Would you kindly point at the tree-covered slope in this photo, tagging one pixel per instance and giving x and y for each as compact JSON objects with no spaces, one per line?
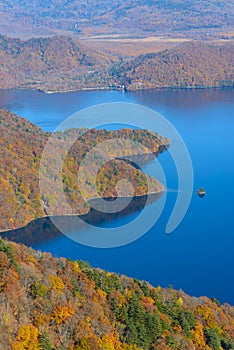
{"x":48,"y":303}
{"x":191,"y":64}
{"x":21,"y":147}
{"x":61,"y":64}
{"x":57,"y":63}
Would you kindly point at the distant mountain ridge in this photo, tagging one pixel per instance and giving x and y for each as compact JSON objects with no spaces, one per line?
{"x":124,"y":16}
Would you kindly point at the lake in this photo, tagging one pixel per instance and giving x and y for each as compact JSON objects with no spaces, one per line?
{"x":198,"y":257}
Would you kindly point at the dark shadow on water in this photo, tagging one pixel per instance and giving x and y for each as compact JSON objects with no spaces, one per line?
{"x":43,"y":230}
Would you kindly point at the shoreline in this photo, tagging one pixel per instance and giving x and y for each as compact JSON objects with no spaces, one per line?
{"x":120,"y":89}
{"x":88,"y":212}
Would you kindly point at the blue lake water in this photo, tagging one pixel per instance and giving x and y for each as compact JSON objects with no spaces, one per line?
{"x":198,"y":256}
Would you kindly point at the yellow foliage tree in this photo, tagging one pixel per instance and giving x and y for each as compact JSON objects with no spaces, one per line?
{"x":207,"y":314}
{"x":131,"y":347}
{"x":101,"y":294}
{"x":76,"y":267}
{"x":61,"y":313}
{"x":27,"y":338}
{"x":180,"y":301}
{"x":107,"y":343}
{"x":56,"y":283}
{"x":198,"y":336}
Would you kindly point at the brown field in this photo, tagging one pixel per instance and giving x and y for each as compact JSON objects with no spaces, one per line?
{"x":130,"y":47}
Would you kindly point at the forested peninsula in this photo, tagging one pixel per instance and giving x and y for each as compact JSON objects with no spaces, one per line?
{"x":21,"y":147}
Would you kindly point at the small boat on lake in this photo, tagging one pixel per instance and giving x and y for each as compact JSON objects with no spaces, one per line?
{"x":201,"y":192}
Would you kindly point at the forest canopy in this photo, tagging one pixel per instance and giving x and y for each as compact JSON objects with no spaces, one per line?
{"x":49,"y":303}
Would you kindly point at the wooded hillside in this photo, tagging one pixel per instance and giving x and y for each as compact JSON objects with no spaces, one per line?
{"x":62,"y":64}
{"x":48,"y":303}
{"x":191,"y":64}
